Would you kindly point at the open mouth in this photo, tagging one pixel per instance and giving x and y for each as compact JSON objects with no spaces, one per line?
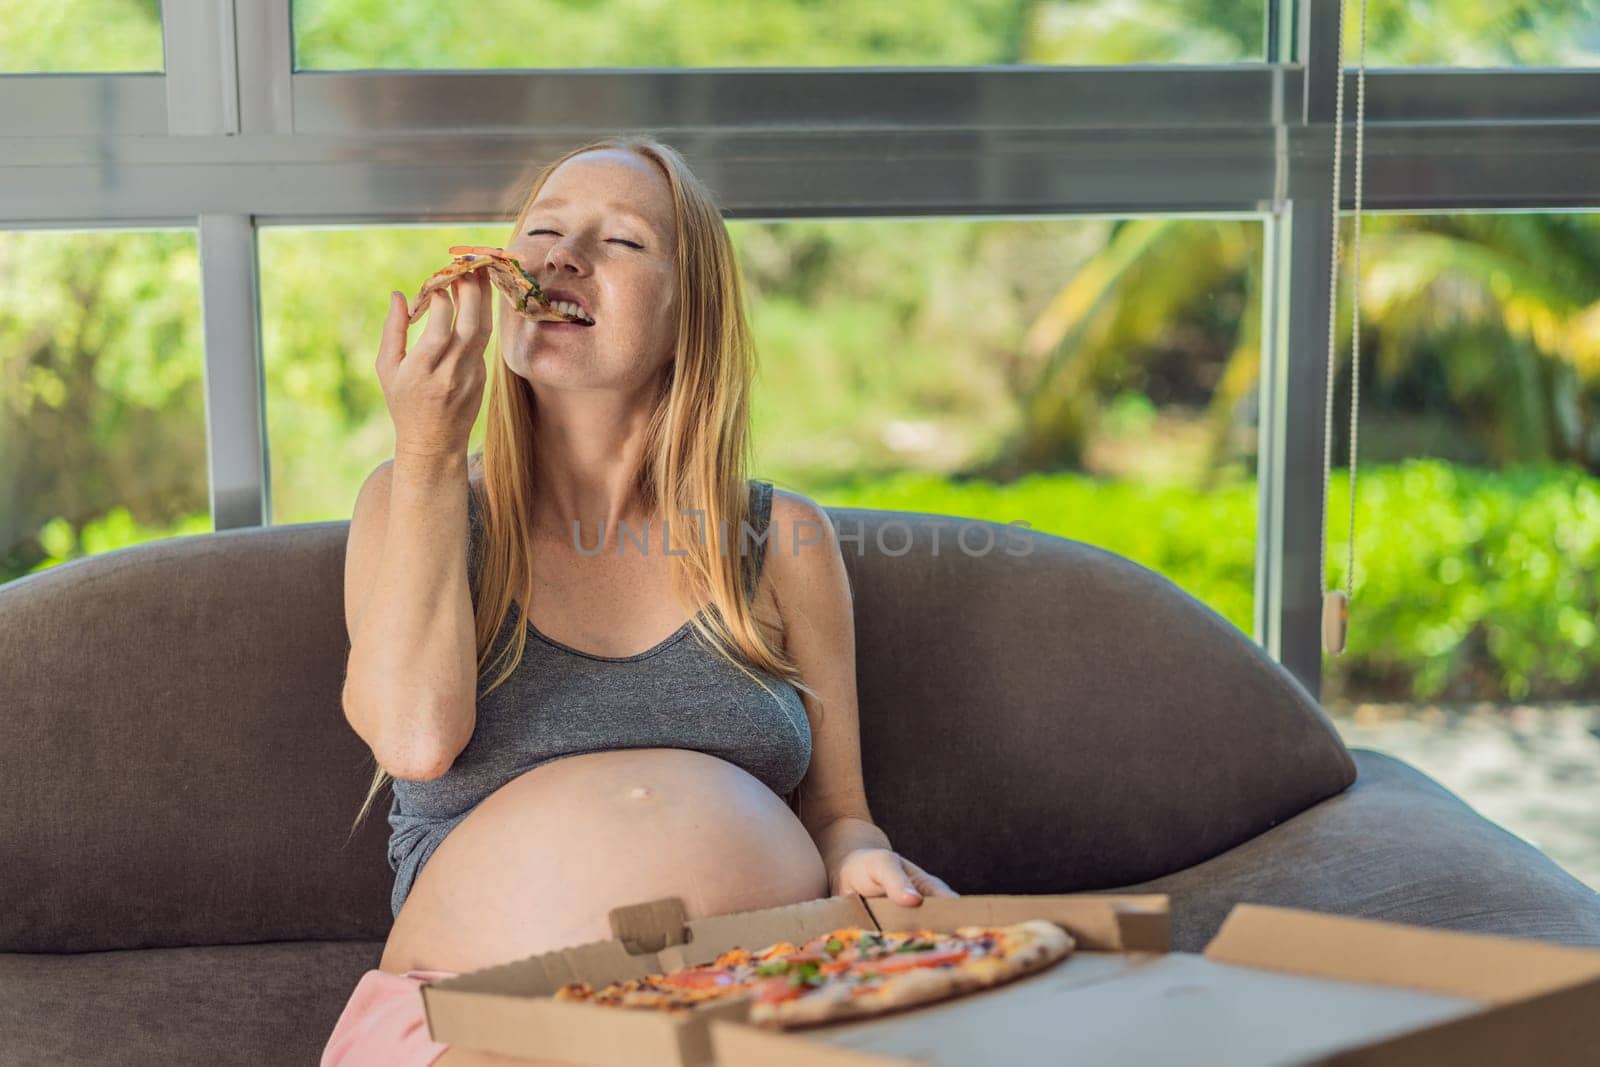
{"x":573,"y":310}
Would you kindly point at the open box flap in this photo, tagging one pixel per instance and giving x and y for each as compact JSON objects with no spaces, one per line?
{"x":709,"y":937}
{"x":1098,"y":922}
{"x":1494,"y":969}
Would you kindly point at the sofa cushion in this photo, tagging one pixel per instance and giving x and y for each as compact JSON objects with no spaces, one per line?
{"x":1049,"y":717}
{"x":256,"y":1004}
{"x":177,"y":763}
{"x":1395,"y":846}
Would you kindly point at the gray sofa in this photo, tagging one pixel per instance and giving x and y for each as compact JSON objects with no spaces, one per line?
{"x":179,"y":779}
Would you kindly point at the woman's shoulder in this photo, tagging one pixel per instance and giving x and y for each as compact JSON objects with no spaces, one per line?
{"x":790,"y":509}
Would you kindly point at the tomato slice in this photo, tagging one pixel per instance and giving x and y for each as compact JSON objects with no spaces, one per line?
{"x":775,"y":989}
{"x":909,"y":961}
{"x":698,"y":979}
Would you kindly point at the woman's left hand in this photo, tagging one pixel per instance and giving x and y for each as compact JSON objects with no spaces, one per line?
{"x":881,"y":872}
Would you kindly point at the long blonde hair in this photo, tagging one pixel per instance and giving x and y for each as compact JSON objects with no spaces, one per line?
{"x":696,"y":453}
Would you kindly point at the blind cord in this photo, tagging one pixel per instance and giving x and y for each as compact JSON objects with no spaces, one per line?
{"x":1336,"y":604}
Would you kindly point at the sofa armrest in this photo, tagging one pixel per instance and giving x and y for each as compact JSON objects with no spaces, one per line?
{"x":1395,"y":846}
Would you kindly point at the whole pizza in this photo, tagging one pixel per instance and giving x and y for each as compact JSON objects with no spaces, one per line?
{"x":846,"y":973}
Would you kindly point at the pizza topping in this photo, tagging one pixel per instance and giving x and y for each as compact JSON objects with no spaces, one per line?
{"x":911,"y":962}
{"x":698,"y":979}
{"x":772,"y":990}
{"x":807,"y":973}
{"x":775,"y":951}
{"x":734,"y":957}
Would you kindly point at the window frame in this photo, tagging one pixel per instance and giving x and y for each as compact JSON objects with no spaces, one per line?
{"x":231,"y":139}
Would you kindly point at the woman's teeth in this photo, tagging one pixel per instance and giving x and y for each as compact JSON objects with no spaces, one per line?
{"x":568,"y":308}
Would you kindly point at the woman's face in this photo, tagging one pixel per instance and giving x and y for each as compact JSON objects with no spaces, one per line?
{"x":601,"y":228}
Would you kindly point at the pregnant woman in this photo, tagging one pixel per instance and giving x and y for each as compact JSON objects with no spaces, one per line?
{"x":561,"y":741}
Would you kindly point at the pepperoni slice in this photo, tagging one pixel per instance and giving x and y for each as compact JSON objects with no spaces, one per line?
{"x":910,"y":961}
{"x":698,"y":979}
{"x":775,"y":989}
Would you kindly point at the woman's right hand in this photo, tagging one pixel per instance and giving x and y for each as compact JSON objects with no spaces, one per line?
{"x":435,"y":390}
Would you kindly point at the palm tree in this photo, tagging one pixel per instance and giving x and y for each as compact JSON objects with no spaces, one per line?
{"x":1504,"y":304}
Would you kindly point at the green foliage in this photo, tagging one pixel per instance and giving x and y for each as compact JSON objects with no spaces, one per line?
{"x":509,"y":34}
{"x":125,"y":35}
{"x":80,"y":36}
{"x":1468,"y":584}
{"x":101,"y":392}
{"x":1472,"y":583}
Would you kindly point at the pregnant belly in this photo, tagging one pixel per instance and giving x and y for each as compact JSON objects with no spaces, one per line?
{"x":542,"y":860}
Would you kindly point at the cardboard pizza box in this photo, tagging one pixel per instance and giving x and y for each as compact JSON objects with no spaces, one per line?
{"x":508,"y":1008}
{"x":1275,"y":986}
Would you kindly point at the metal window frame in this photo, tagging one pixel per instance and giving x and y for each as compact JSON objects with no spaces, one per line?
{"x":231,"y":137}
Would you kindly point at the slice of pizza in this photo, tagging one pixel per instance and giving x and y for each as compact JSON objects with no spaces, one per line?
{"x":507,"y":275}
{"x":734,"y":973}
{"x":900,"y":970}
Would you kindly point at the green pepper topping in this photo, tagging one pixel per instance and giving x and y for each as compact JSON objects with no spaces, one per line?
{"x":532,"y":281}
{"x":834,"y":946}
{"x":916,"y":945}
{"x":772,"y":967}
{"x":805,"y":974}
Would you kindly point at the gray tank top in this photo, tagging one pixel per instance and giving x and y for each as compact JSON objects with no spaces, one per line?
{"x":562,"y":702}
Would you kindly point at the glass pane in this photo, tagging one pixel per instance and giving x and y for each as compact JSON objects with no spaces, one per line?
{"x":1472,"y":652}
{"x":538,"y":34}
{"x":80,"y":37}
{"x":102,"y":400}
{"x":1113,"y":407}
{"x":1103,"y":390}
{"x":1473,"y":33}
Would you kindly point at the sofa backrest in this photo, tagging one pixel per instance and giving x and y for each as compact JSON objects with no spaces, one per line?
{"x":1051,"y":717}
{"x":1043,"y":716}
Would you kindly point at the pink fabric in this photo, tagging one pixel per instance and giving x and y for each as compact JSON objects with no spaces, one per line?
{"x":383,"y":1024}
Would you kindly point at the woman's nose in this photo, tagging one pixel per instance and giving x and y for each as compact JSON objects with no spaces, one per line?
{"x":562,"y":254}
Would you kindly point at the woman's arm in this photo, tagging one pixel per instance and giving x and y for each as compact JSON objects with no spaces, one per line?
{"x":812,"y":590}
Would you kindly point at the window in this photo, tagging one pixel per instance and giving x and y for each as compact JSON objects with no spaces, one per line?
{"x":1472,"y":33}
{"x":1473,"y":652}
{"x":529,"y":34}
{"x":80,"y":36}
{"x":1000,"y":369}
{"x":102,"y":405}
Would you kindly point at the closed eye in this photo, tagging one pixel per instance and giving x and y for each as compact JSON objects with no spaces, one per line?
{"x":623,"y":240}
